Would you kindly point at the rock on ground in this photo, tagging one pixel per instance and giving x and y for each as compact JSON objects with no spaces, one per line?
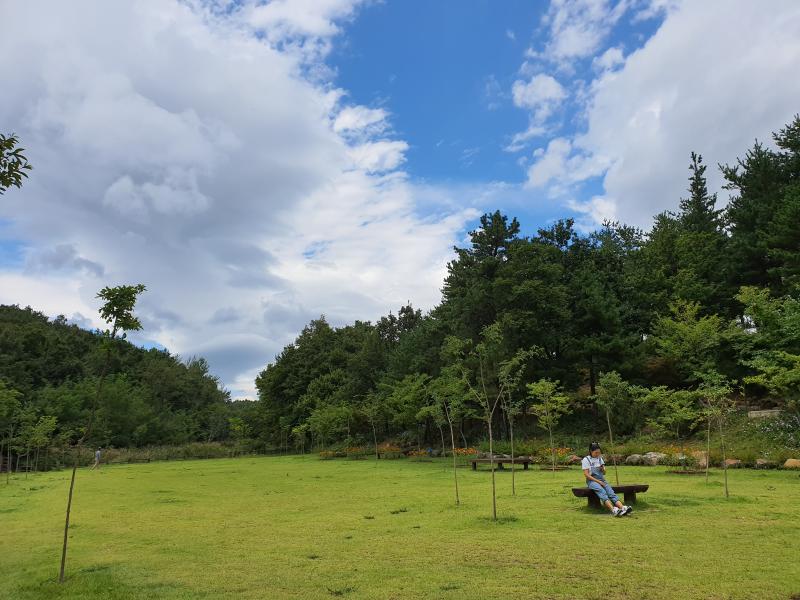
{"x":653,"y":458}
{"x":634,"y":459}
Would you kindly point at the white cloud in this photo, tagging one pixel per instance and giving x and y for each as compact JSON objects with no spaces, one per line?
{"x":609,"y":59}
{"x":379,"y":156}
{"x":520,"y":140}
{"x":578,"y":27}
{"x":560,"y":165}
{"x":645,"y":112}
{"x":595,"y":210}
{"x":214,"y":166}
{"x":645,"y":118}
{"x":359,"y":119}
{"x":541,"y":93}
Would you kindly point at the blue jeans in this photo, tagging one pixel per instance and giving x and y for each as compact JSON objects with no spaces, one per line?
{"x":604,"y":492}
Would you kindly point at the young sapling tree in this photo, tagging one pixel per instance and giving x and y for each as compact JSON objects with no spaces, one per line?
{"x":117,"y":312}
{"x":549,"y":405}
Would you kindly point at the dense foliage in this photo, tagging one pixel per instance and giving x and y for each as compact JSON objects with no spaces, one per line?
{"x":48,"y":375}
{"x":707,"y":300}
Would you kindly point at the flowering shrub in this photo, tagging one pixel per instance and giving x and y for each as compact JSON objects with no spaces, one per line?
{"x":418,"y":453}
{"x":465,"y":451}
{"x":784,"y":429}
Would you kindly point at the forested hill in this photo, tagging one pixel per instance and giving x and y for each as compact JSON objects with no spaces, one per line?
{"x":706,"y":297}
{"x":150,"y":396}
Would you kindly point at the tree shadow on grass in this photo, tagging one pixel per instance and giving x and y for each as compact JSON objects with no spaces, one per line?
{"x":106,"y":582}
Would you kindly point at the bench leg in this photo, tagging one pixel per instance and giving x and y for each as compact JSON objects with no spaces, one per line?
{"x":500,"y":466}
{"x":474,"y":466}
{"x":630,"y":497}
{"x":594,"y":501}
{"x":524,"y":466}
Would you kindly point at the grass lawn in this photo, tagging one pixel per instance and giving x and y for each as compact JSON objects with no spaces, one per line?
{"x":299,"y":527}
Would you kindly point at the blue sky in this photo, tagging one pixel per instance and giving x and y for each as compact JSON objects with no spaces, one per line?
{"x":445,"y":70}
{"x":259,"y":163}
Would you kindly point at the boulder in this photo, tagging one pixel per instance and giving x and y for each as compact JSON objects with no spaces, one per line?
{"x":792,"y":463}
{"x":763,"y":463}
{"x":653,"y":458}
{"x":634,"y":459}
{"x":733,"y":463}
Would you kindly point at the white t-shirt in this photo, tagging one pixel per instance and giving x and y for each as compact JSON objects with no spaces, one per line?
{"x":589,"y":462}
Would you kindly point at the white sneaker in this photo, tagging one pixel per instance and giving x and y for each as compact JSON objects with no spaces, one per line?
{"x":615,"y":512}
{"x":623,"y":511}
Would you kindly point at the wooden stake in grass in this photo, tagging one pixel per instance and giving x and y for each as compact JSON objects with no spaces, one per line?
{"x":117,"y":312}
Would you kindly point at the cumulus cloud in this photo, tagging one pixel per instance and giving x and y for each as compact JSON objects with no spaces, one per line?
{"x":713,"y":77}
{"x":579,"y":27}
{"x":194,"y":148}
{"x":609,"y":59}
{"x":359,"y":119}
{"x":541,"y":93}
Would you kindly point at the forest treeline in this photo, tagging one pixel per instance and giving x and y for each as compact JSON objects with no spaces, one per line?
{"x":48,"y":375}
{"x":652,"y":324}
{"x":706,"y":300}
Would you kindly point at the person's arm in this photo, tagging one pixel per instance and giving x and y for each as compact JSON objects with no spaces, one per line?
{"x":588,"y":475}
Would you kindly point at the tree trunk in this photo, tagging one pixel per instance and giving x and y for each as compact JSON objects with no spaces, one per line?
{"x":66,"y":523}
{"x":491,"y":462}
{"x":375,"y":441}
{"x":724,"y":461}
{"x":78,"y":447}
{"x":708,"y":448}
{"x":8,"y":450}
{"x":453,"y":444}
{"x":441,"y":434}
{"x":611,"y":443}
{"x":552,"y":450}
{"x":513,"y":481}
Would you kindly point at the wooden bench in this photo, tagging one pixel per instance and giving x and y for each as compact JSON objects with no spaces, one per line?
{"x":629,"y":491}
{"x":499,"y":462}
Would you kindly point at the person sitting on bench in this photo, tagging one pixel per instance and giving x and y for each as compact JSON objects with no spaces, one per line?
{"x":594,"y":469}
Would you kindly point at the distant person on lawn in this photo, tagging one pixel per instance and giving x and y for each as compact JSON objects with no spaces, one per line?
{"x":96,"y":464}
{"x":594,"y":469}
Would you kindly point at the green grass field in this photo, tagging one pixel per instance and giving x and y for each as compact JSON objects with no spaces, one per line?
{"x":295,"y":527}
